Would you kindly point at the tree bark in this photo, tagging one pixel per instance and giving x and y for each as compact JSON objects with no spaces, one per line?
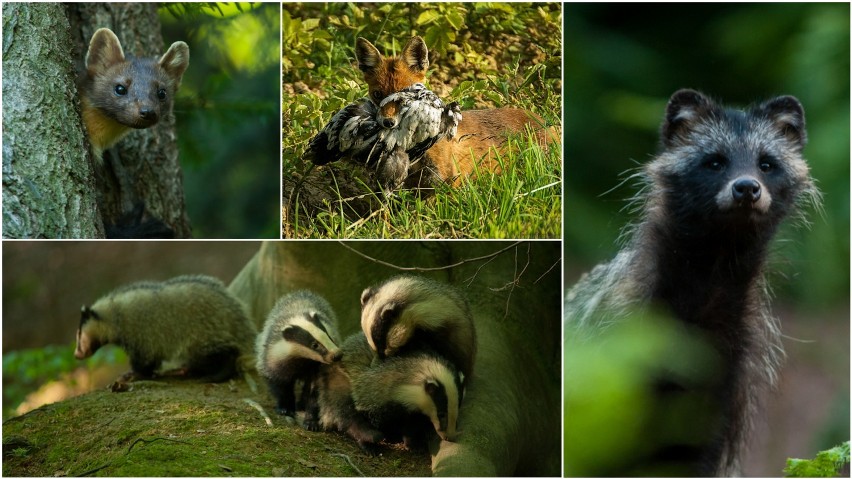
{"x":51,"y":186}
{"x":48,"y":188}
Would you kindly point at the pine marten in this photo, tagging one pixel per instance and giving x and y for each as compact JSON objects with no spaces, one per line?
{"x":120,"y":92}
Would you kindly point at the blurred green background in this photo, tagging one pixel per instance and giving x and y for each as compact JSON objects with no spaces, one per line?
{"x":622,"y":62}
{"x":228,"y":117}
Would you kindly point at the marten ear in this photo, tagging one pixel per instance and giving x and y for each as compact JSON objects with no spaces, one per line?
{"x":175,"y":61}
{"x":683,"y":111}
{"x":104,"y":51}
{"x":416,"y":55}
{"x":367,"y":55}
{"x":787,"y":116}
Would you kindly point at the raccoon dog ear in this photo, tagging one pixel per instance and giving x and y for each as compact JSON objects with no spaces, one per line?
{"x":787,"y":116}
{"x":684,"y":109}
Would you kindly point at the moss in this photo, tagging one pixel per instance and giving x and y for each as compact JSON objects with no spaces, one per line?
{"x":184,"y":428}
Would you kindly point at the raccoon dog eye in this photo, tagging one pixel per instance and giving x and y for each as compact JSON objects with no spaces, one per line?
{"x":120,"y":90}
{"x":161,"y":93}
{"x":766,"y":164}
{"x":714,"y":162}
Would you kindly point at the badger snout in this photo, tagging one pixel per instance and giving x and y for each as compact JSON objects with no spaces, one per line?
{"x":746,"y":190}
{"x":335,"y":356}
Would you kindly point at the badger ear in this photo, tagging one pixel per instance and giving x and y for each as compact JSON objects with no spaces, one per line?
{"x":787,"y":116}
{"x":366,"y":295}
{"x":683,"y":112}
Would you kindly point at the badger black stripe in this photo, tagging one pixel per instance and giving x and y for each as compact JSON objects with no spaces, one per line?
{"x":298,"y":335}
{"x":439,"y":397}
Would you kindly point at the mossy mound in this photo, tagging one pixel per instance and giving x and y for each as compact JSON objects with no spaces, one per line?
{"x":174,"y":427}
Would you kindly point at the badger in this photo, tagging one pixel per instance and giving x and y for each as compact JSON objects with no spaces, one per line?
{"x":193,"y":320}
{"x":407,"y":313}
{"x":300,"y":333}
{"x":408,"y":396}
{"x":712,"y":200}
{"x":337,"y":410}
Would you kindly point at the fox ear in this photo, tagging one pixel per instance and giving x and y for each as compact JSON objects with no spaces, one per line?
{"x":416,"y":55}
{"x":175,"y":61}
{"x":104,"y":51}
{"x":367,"y":55}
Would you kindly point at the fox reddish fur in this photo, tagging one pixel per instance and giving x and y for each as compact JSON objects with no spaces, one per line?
{"x":479,"y":133}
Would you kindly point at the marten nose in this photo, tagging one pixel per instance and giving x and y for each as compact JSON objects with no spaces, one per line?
{"x":388,"y":123}
{"x":746,"y":189}
{"x":148,"y":114}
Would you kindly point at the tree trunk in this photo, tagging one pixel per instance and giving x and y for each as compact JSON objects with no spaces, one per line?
{"x":48,"y":188}
{"x":51,"y":189}
{"x":148,"y":172}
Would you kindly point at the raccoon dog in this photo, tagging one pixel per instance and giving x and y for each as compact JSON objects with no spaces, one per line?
{"x":712,"y":200}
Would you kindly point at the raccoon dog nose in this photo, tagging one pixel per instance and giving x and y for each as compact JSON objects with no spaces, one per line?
{"x":746,"y":189}
{"x":388,"y":122}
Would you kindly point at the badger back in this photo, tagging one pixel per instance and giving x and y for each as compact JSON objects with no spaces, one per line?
{"x":183,"y":316}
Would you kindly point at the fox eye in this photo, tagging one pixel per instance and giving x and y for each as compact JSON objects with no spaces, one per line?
{"x":161,"y":93}
{"x":120,"y":90}
{"x":377,"y":95}
{"x":714,"y":162}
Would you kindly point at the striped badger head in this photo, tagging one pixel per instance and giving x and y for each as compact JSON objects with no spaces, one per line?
{"x":393,"y":311}
{"x":92,"y":333}
{"x":434,"y":388}
{"x":303,"y":336}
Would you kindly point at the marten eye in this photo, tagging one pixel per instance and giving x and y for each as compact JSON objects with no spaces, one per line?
{"x":161,"y":93}
{"x":120,"y":90}
{"x":715,"y":162}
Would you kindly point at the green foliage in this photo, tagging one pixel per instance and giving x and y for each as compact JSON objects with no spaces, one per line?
{"x":25,"y":370}
{"x":228,"y":114}
{"x":482,"y":55}
{"x":825,"y":464}
{"x":615,"y":422}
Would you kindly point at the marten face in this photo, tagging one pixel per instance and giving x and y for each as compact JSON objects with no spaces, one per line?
{"x":730,"y":168}
{"x":136,"y":92}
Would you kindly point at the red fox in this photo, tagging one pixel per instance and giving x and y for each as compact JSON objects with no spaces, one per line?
{"x":479,"y":131}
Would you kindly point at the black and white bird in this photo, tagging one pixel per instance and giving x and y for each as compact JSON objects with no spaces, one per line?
{"x":390,"y":136}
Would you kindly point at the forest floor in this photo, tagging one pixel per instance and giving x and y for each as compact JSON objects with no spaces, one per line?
{"x":174,"y":427}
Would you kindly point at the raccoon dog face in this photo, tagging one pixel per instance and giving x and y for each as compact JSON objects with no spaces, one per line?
{"x":730,"y":168}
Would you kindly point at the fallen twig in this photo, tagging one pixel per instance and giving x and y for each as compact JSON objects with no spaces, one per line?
{"x":259,"y":408}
